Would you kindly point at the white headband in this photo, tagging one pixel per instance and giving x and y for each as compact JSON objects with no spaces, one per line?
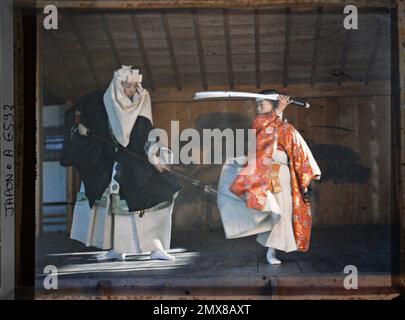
{"x":129,"y":75}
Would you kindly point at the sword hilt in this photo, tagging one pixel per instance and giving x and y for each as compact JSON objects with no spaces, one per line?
{"x":300,"y":103}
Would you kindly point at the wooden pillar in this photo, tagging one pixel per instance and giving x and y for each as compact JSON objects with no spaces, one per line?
{"x":401,"y":56}
{"x":7,"y":155}
{"x":71,"y":187}
{"x":19,"y":139}
{"x":39,"y":137}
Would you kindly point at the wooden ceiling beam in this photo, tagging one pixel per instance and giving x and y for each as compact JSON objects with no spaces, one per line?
{"x":162,"y":4}
{"x":316,"y":45}
{"x":228,"y":48}
{"x":170,"y":48}
{"x":257,"y":47}
{"x":55,"y":44}
{"x":287,"y":36}
{"x":85,"y":51}
{"x":200,"y":50}
{"x":111,"y":41}
{"x":147,"y":72}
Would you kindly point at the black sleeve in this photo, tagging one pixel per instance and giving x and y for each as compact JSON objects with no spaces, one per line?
{"x":70,"y":149}
{"x":139,"y":135}
{"x":80,"y":150}
{"x":141,"y":184}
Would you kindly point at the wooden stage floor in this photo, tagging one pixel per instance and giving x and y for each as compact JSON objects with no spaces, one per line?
{"x":209,"y":266}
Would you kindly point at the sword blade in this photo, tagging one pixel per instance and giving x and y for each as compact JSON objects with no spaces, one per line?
{"x":217,"y":95}
{"x":233,"y":95}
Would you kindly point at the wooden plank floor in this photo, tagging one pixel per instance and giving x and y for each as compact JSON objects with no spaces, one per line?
{"x":208,"y":265}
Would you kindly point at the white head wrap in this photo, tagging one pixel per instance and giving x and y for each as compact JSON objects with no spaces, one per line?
{"x":123,"y":111}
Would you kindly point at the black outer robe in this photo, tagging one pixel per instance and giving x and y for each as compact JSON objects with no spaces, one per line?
{"x":141,"y":184}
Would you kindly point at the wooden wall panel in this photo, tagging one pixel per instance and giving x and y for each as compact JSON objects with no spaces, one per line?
{"x":347,"y":118}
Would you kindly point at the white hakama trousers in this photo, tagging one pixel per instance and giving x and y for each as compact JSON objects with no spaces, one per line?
{"x":273,"y":226}
{"x":281,"y":236}
{"x":124,"y":233}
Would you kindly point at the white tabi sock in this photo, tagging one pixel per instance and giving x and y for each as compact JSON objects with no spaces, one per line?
{"x":110,"y":255}
{"x":271,"y":256}
{"x":159,"y":253}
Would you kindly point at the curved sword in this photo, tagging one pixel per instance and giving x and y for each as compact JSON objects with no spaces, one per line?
{"x":243,"y":95}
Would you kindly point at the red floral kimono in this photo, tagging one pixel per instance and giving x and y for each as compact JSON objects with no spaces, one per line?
{"x":255,"y":180}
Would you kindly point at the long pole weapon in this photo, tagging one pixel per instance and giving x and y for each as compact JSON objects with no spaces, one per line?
{"x":195,"y":182}
{"x":203,"y":96}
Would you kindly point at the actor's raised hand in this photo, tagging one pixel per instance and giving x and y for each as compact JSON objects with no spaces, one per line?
{"x":283,"y":102}
{"x":83,"y":131}
{"x":139,"y":87}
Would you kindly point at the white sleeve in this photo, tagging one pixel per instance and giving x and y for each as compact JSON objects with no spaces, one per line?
{"x":153,"y":148}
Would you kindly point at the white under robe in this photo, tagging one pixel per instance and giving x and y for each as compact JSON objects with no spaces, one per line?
{"x":273,"y":226}
{"x":124,"y":233}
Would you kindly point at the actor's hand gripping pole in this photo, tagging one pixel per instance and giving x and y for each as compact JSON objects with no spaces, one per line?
{"x":204,"y":95}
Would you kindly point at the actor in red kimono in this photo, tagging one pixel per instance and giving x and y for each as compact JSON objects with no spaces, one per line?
{"x":278,"y":182}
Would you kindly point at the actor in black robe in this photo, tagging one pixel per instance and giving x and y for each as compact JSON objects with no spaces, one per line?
{"x":141,"y":184}
{"x":106,"y":139}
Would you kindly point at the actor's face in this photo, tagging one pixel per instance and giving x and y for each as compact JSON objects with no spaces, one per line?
{"x":264,"y":106}
{"x":129,"y":88}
